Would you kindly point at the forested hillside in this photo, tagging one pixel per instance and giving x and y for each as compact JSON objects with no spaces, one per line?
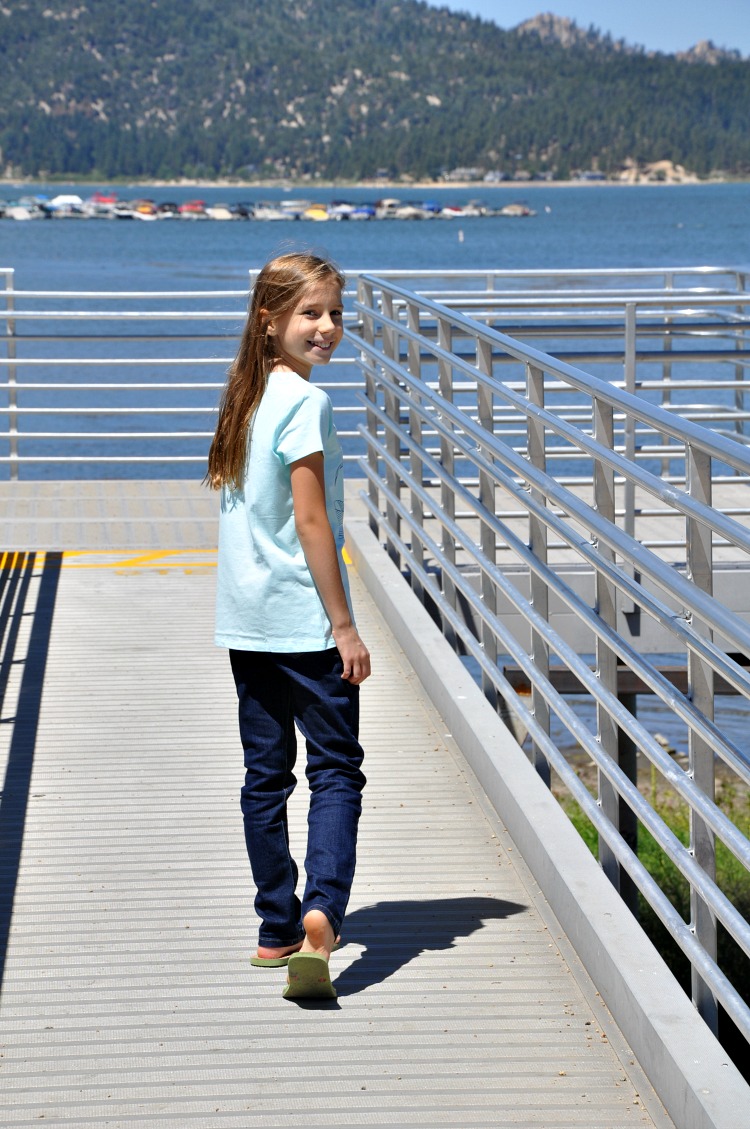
{"x":166,"y":88}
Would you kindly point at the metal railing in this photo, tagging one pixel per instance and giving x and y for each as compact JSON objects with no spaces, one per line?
{"x":495,"y":543}
{"x":520,"y":493}
{"x":128,"y":382}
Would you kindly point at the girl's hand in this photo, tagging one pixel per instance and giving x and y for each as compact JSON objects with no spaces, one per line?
{"x":354,"y":655}
{"x":318,"y":544}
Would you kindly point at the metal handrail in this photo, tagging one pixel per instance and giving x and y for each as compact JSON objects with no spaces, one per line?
{"x":76,"y":343}
{"x":100,"y":340}
{"x":413,"y":497}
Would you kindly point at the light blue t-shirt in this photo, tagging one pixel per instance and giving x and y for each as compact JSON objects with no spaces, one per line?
{"x":266,"y":597}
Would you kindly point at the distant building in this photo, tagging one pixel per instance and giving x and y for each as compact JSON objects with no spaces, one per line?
{"x":464,"y":174}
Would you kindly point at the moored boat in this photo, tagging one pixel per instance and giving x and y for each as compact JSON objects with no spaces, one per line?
{"x":25,"y":212}
{"x":517,"y":210}
{"x":193,"y":210}
{"x":220,"y":212}
{"x":265,"y":211}
{"x":145,"y":210}
{"x":106,"y":205}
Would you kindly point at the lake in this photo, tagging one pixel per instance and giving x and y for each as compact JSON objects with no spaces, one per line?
{"x":576,"y":226}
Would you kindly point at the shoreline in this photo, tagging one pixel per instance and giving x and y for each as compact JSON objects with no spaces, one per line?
{"x":373,"y":185}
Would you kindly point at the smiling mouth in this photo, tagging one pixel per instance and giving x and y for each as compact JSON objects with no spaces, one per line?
{"x":321,"y":344}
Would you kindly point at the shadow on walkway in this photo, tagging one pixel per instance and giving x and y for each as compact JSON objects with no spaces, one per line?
{"x":16,"y":575}
{"x":394,"y":933}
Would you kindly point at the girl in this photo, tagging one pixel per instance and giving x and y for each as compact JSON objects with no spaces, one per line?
{"x":284,"y":611}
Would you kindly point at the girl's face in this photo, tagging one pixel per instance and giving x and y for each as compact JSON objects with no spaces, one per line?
{"x":307,"y":334}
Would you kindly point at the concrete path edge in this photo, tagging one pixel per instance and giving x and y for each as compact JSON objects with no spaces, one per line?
{"x":693,"y":1076}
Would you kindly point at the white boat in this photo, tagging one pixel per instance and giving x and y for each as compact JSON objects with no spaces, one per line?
{"x":516,"y":210}
{"x":24,"y":212}
{"x":272,"y":212}
{"x":341,"y":210}
{"x":220,"y":212}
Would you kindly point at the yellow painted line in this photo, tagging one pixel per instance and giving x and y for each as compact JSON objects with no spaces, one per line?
{"x":147,"y":558}
{"x":21,"y":558}
{"x":347,"y":559}
{"x":126,"y":566}
{"x":162,"y":559}
{"x":10,"y":558}
{"x":125,"y":552}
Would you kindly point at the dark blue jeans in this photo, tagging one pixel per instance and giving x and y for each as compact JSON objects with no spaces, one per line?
{"x":275,"y":691}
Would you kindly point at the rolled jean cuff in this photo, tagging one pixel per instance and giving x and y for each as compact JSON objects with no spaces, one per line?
{"x":270,"y":942}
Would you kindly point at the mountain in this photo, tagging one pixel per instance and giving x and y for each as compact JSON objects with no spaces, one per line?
{"x":708,"y":52}
{"x":567,"y":33}
{"x":167,"y":88}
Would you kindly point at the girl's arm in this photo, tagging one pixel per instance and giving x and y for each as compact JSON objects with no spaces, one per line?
{"x":319,"y":546}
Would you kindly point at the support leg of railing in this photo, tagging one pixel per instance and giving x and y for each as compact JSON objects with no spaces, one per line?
{"x":485,"y":414}
{"x":365,"y":295}
{"x":699,"y":553}
{"x":414,"y":353}
{"x":391,"y":349}
{"x":606,"y":659}
{"x":627,"y":758}
{"x":539,"y":649}
{"x":629,"y":431}
{"x":447,"y":458}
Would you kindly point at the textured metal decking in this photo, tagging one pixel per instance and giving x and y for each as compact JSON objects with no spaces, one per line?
{"x":128,"y":998}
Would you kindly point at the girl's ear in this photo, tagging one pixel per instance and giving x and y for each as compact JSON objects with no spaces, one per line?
{"x":269,"y":326}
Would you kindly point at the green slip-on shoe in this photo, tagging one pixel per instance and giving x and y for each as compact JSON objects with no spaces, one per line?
{"x":279,"y":962}
{"x":309,"y":978}
{"x":270,"y":962}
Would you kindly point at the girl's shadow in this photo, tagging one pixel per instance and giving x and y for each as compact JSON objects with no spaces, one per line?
{"x":393,"y":933}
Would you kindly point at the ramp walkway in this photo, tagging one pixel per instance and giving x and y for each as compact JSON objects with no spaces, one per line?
{"x":127,"y":923}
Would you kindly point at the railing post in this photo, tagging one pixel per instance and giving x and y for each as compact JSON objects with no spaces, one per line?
{"x":485,"y":414}
{"x":391,"y":349}
{"x":416,"y":468}
{"x":629,"y":432}
{"x":740,"y":343}
{"x":610,"y":737}
{"x":740,"y":340}
{"x":539,"y":649}
{"x":365,"y":295}
{"x":629,"y":425}
{"x":666,"y":369}
{"x":10,"y":330}
{"x":447,"y":458}
{"x":699,"y":556}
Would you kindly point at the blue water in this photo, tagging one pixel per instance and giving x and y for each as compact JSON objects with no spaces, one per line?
{"x":585,"y":226}
{"x":590,"y":226}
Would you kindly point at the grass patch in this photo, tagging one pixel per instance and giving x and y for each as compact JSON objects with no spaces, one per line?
{"x":731,"y":877}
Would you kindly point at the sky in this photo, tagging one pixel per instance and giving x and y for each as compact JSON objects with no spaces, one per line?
{"x":658,"y":25}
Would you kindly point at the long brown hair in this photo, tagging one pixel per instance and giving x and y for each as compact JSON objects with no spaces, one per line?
{"x":277,"y":289}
